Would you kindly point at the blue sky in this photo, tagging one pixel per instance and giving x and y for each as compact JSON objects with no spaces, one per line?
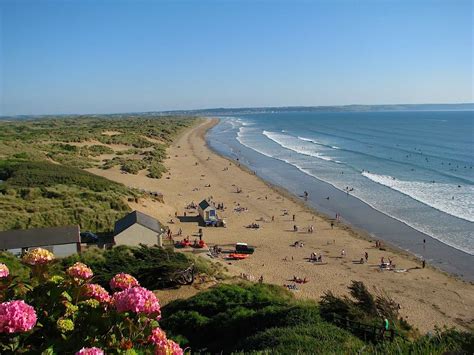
{"x":116,"y":56}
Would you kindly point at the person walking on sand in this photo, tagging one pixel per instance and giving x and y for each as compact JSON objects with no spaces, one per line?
{"x":366,"y":256}
{"x":273,"y":218}
{"x":343,"y":253}
{"x":294,"y":217}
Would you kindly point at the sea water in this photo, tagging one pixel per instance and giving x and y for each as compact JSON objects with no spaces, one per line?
{"x":416,"y":167}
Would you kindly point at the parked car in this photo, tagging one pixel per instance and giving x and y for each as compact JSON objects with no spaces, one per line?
{"x":89,"y":237}
{"x":243,"y":248}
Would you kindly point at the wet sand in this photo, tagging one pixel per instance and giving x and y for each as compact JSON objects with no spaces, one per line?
{"x":427,"y":296}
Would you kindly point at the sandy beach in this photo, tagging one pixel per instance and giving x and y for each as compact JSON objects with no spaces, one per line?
{"x":427,"y":297}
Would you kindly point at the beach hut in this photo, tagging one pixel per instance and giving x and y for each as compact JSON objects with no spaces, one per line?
{"x":62,"y":241}
{"x":138,"y":228}
{"x":208,"y":213}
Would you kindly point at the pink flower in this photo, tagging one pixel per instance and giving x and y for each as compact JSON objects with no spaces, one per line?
{"x":4,"y":272}
{"x":38,"y":256}
{"x":170,"y":348}
{"x":90,"y":351}
{"x":158,"y":337}
{"x":80,"y":271}
{"x":16,"y":316}
{"x":137,"y":299}
{"x":97,"y":292}
{"x":123,"y":281}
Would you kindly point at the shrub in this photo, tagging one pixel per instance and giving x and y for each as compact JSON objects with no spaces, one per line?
{"x":63,"y":314}
{"x":153,"y":267}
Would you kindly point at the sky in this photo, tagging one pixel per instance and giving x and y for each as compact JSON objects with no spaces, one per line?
{"x":106,"y":56}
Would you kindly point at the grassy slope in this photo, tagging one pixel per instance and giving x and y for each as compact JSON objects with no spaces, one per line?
{"x":43,"y":184}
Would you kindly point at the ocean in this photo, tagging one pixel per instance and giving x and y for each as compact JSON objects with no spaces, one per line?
{"x":414,"y":167}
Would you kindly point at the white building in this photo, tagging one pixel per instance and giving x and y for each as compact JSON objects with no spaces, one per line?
{"x":138,"y":228}
{"x":208,"y":213}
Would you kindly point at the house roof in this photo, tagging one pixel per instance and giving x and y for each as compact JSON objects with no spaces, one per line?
{"x":137,"y":217}
{"x":204,"y":204}
{"x":37,"y":237}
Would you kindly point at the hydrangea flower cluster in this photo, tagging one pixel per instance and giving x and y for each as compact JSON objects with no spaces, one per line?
{"x":158,"y":337}
{"x":171,"y":348}
{"x":90,"y":351}
{"x":164,"y":346}
{"x":80,"y":271}
{"x":97,"y":292}
{"x":16,"y":316}
{"x":123,"y":281}
{"x":138,"y":300}
{"x":4,"y":272}
{"x":65,"y":325}
{"x":38,"y":256}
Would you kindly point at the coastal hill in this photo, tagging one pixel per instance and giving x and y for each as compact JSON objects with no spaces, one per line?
{"x":220,"y":111}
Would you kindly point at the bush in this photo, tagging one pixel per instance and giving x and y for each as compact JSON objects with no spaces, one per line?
{"x":154,"y":267}
{"x":246,"y":317}
{"x":60,"y":314}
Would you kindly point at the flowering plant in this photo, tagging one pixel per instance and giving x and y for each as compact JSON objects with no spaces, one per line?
{"x":80,"y":271}
{"x":138,"y":300}
{"x":4,"y":272}
{"x":97,"y":293}
{"x":72,"y":315}
{"x":123,"y":281}
{"x":90,"y":351}
{"x":16,"y":316}
{"x":38,"y":256}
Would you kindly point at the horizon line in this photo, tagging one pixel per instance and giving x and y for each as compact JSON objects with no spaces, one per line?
{"x":241,"y":108}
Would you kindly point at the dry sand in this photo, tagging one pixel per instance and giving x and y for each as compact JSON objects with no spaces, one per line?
{"x":427,"y":297}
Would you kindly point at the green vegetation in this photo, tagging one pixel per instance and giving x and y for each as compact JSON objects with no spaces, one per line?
{"x":153,"y":267}
{"x":259,"y":318}
{"x":40,"y":162}
{"x":42,"y":194}
{"x":364,"y":307}
{"x":251,"y":317}
{"x":65,"y":141}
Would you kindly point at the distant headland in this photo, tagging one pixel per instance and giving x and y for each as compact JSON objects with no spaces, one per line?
{"x":222,"y":111}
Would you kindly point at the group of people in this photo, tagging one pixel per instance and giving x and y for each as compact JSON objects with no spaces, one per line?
{"x":315,"y":257}
{"x":292,"y":287}
{"x":386,"y":265}
{"x":240,"y":209}
{"x":247,"y":277}
{"x":299,"y":280}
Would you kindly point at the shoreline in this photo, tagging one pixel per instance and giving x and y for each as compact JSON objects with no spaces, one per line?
{"x":369,"y":224}
{"x":428,"y":298}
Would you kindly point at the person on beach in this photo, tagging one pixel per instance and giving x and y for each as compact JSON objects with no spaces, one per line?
{"x":366,"y":256}
{"x":294,"y":216}
{"x":332,"y":225}
{"x":343,"y":253}
{"x":423,"y":263}
{"x":295,"y":228}
{"x":385,"y":326}
{"x":273,"y":218}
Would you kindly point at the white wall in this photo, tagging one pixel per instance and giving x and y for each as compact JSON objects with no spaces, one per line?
{"x":137,"y":234}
